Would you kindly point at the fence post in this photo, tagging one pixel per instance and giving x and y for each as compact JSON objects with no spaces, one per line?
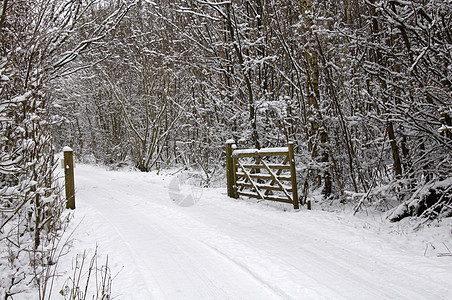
{"x":230,"y":169}
{"x":293,"y":176}
{"x":68,"y":165}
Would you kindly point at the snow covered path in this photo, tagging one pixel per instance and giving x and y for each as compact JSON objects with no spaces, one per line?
{"x":222,"y":248}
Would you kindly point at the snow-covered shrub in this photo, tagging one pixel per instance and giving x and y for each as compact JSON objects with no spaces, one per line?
{"x":433,"y":201}
{"x":38,"y":42}
{"x":30,"y":204}
{"x":31,"y":207}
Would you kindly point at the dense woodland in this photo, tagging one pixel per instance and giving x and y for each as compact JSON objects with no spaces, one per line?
{"x":363,"y":89}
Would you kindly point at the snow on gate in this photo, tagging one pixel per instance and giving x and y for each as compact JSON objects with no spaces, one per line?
{"x":261,"y":173}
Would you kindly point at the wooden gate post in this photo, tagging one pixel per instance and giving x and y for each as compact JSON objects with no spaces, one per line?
{"x":230,"y":169}
{"x":293,"y":176}
{"x":68,"y":165}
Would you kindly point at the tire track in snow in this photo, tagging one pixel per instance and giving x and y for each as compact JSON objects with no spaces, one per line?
{"x":197,"y":279}
{"x":393,"y":281}
{"x":364,"y":273}
{"x":184,"y":246}
{"x":314,"y":265}
{"x":151,"y":289}
{"x":271,"y":271}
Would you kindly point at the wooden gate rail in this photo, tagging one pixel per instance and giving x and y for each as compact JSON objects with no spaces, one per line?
{"x":261,"y":179}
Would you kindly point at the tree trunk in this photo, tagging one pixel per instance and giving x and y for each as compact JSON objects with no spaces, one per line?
{"x":246,"y":76}
{"x":397,"y":165}
{"x":317,"y":128}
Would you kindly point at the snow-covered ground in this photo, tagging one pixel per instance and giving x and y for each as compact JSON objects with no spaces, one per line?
{"x":222,"y":248}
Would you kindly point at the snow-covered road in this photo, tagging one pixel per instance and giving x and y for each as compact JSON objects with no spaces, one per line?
{"x":222,"y":248}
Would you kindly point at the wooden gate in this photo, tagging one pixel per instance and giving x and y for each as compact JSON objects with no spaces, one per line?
{"x":267,"y":174}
